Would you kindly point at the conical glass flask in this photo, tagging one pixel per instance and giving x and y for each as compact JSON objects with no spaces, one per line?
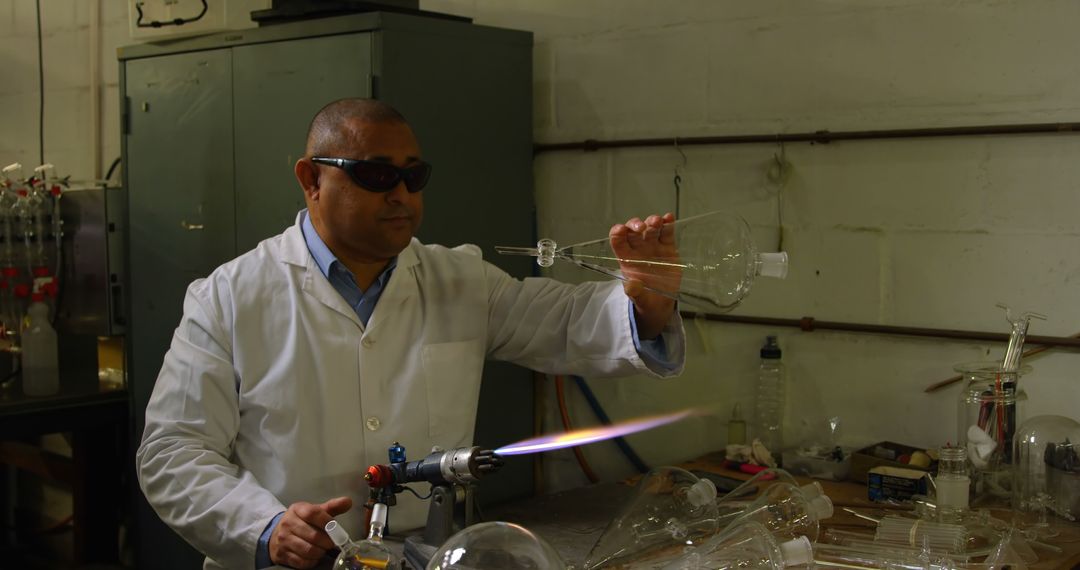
{"x":672,"y":508}
{"x":767,"y":476}
{"x":714,"y":265}
{"x":745,"y":545}
{"x":782,"y":508}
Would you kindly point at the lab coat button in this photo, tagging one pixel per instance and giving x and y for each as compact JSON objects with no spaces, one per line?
{"x":368,"y":342}
{"x":373,"y":423}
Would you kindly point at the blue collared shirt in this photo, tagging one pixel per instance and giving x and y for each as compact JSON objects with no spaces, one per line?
{"x":363,"y":302}
{"x":652,"y":351}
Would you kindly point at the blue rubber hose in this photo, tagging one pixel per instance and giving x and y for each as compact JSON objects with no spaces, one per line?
{"x":601,"y":415}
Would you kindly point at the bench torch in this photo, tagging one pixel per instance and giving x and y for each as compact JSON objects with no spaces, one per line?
{"x":452,"y":474}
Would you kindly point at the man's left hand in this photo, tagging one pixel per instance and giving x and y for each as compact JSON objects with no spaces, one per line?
{"x":637,"y":243}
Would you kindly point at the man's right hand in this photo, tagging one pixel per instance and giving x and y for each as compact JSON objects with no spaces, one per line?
{"x":299,"y":540}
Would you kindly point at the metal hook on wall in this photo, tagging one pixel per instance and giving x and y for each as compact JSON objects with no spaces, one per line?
{"x":677,"y":180}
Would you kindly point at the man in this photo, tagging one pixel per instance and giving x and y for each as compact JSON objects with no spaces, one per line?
{"x":297,"y":364}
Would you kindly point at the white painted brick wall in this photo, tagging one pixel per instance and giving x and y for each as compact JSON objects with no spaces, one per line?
{"x":928,"y":232}
{"x":916,"y":232}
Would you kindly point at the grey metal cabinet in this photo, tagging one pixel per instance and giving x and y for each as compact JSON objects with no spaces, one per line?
{"x":211,"y":129}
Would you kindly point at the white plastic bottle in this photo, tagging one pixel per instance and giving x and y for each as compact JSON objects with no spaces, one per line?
{"x":40,"y":358}
{"x":769,"y":406}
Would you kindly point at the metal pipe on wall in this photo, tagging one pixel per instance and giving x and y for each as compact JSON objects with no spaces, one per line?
{"x":809,"y":324}
{"x":819,"y":137}
{"x":95,"y":88}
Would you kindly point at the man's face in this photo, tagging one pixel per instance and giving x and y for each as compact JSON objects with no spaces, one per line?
{"x":359,"y":223}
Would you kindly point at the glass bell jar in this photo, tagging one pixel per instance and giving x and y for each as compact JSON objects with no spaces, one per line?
{"x":1046,"y":472}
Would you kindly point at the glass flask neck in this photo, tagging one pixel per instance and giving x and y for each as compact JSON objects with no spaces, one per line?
{"x":378,"y":522}
{"x":771,"y":264}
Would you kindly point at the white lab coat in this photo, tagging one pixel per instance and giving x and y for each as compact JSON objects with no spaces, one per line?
{"x":273,"y":391}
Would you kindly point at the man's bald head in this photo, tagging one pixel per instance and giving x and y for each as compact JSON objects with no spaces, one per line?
{"x":333,"y":130}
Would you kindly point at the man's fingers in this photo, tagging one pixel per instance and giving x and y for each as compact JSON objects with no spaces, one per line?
{"x":337,"y":506}
{"x":293,"y":561}
{"x":304,"y":548}
{"x":311,"y":534}
{"x":617,"y":235}
{"x":305,"y":511}
{"x":637,"y":228}
{"x":667,"y":234}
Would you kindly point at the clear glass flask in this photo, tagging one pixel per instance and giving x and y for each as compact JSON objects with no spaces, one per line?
{"x":745,"y":545}
{"x":671,"y":508}
{"x":368,"y":554}
{"x":712,"y":267}
{"x":501,"y":545}
{"x":783,"y":508}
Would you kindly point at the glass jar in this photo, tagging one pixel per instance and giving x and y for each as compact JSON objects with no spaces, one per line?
{"x":991,"y":409}
{"x":952,"y":483}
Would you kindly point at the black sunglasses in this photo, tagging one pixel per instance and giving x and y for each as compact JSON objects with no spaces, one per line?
{"x":381,"y":176}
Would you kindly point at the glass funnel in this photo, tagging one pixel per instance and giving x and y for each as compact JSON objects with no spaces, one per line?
{"x":712,"y":266}
{"x":671,"y":508}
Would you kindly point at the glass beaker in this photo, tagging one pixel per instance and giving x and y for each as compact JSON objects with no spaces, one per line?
{"x":712,"y":267}
{"x":991,"y":409}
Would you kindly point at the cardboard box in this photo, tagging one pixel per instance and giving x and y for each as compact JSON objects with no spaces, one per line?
{"x":896,"y":483}
{"x":863,"y":460}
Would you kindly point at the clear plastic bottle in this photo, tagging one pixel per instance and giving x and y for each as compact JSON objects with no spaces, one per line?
{"x":369,"y":554}
{"x":736,"y":428}
{"x":769,"y":407}
{"x":40,"y":365}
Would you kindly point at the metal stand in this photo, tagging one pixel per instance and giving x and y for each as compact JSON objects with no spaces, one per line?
{"x":451,"y":510}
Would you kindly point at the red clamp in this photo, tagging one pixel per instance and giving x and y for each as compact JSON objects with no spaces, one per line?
{"x":22,"y":290}
{"x":41,"y":271}
{"x":806,"y":324}
{"x":55,"y":190}
{"x":9,"y":271}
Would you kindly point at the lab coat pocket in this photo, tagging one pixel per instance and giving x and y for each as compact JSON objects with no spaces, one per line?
{"x":452,"y":371}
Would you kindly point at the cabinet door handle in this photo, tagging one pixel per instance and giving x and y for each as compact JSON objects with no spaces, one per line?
{"x":189,"y":226}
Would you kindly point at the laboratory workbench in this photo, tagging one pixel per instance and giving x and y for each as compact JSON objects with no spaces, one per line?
{"x":96,"y":417}
{"x":573,"y":520}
